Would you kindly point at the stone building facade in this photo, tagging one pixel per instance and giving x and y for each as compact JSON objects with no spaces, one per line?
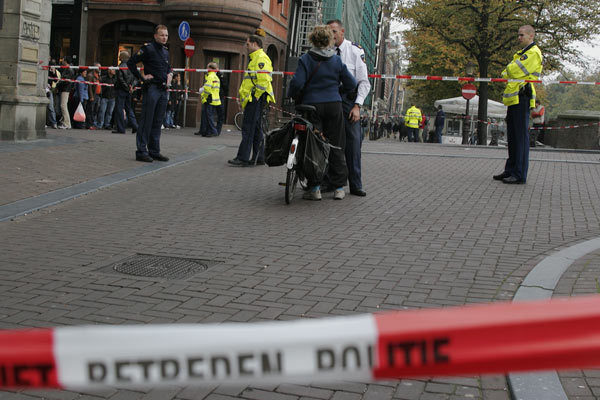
{"x":218,"y":27}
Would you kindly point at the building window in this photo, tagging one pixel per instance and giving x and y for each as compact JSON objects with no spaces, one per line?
{"x":266,"y":6}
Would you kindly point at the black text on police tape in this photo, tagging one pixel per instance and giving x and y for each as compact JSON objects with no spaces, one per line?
{"x":410,"y":353}
{"x":194,"y":368}
{"x":20,"y":375}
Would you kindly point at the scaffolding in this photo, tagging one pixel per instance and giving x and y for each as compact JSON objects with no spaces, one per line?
{"x":309,"y":17}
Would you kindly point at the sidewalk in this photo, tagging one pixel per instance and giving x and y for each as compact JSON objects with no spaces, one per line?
{"x":434,"y":230}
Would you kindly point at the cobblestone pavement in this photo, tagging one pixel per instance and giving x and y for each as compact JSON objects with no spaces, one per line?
{"x":434,"y":230}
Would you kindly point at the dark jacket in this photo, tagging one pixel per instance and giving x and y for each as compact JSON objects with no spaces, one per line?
{"x":124,"y":78}
{"x":324,"y":87}
{"x":65,"y":73}
{"x":108,"y":92}
{"x":439,"y":118}
{"x":155,"y":57}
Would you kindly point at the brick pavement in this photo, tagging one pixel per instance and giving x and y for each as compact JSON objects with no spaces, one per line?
{"x":434,"y":231}
{"x":582,"y":277}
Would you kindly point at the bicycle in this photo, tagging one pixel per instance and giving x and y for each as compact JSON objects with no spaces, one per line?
{"x":294,"y":173}
{"x":238,"y":120}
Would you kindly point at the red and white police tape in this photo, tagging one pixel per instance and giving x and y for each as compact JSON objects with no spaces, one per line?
{"x":468,"y":340}
{"x":380,"y":76}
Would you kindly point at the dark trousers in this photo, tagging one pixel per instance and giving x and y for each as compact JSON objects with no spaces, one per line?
{"x":438,"y":133}
{"x":154,"y":105}
{"x":413,"y":134}
{"x":207,"y":120}
{"x":123,"y":102}
{"x":536,"y":134}
{"x":220,"y":117}
{"x":330,"y":120}
{"x":352,"y":150}
{"x":252,"y":134}
{"x":517,"y":134}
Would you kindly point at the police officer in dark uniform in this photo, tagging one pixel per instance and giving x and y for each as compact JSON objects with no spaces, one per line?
{"x":155,"y":80}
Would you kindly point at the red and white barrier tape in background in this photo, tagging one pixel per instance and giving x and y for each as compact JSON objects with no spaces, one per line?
{"x":380,"y":76}
{"x":469,"y":340}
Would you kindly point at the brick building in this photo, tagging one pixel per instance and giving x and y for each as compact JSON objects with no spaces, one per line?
{"x":95,"y":30}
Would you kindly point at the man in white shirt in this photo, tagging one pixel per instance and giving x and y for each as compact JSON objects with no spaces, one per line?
{"x":354,"y":57}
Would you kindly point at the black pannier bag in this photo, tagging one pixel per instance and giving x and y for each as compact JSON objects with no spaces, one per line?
{"x":316,"y":157}
{"x":277,"y":145}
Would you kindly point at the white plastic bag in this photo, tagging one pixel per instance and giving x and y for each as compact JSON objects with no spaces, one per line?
{"x":79,"y":114}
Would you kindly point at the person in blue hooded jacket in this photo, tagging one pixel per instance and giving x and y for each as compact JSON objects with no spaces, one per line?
{"x":321,"y":76}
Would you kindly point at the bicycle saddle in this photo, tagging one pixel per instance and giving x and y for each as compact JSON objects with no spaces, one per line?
{"x":305,"y":108}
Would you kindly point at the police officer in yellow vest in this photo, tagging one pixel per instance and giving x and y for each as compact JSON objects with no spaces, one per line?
{"x":412,"y":120}
{"x":210,"y":101}
{"x":520,"y":97}
{"x":256,"y":92}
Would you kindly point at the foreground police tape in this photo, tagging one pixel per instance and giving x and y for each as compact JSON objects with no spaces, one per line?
{"x":494,"y":338}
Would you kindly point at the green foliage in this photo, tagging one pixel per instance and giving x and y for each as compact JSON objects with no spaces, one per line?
{"x":446,"y":35}
{"x":559,"y":98}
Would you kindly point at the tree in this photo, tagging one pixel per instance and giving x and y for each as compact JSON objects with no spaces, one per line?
{"x":559,"y":99}
{"x":485,"y":32}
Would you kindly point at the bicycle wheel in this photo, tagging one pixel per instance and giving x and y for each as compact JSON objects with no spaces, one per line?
{"x":238,"y":120}
{"x":290,"y":185}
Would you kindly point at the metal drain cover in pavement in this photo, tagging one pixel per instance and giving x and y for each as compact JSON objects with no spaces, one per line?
{"x":152,"y":266}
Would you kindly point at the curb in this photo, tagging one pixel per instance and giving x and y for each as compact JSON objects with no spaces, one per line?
{"x":539,"y":284}
{"x":31,"y":204}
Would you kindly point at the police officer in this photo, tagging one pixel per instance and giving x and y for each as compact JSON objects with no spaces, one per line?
{"x":354,"y":57}
{"x":210,"y":101}
{"x":520,"y":97}
{"x":255,"y":92}
{"x":155,"y":79}
{"x":413,"y":119}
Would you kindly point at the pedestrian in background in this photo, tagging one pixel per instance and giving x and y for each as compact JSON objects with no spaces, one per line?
{"x":124,"y":85}
{"x":64,"y":89}
{"x":107,"y":99}
{"x":354,"y":57}
{"x":256,"y":92}
{"x":440,"y":118}
{"x":53,"y":75}
{"x":519,"y":96}
{"x":156,"y":79}
{"x":537,"y":115}
{"x":81,"y":95}
{"x":93,"y":103}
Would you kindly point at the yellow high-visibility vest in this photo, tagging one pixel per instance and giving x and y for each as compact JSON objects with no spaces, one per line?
{"x":255,"y":84}
{"x":524,"y":65}
{"x":413,"y":117}
{"x":212,"y":84}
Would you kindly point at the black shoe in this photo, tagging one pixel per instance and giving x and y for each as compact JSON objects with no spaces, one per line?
{"x":258,"y":162}
{"x":358,"y":192}
{"x":198,"y":134}
{"x":239,"y":163}
{"x":134,"y":131}
{"x":117,"y":132}
{"x":159,"y":157}
{"x":144,"y":158}
{"x":501,"y":176}
{"x":511,"y":180}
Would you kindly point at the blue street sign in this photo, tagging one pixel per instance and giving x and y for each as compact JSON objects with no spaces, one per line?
{"x":184,"y":30}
